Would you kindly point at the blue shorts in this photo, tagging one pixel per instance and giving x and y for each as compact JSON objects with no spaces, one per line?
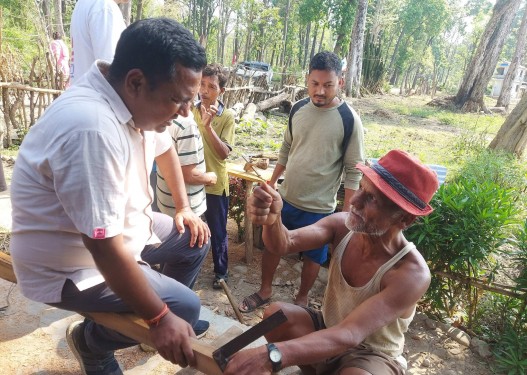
{"x":294,"y":218}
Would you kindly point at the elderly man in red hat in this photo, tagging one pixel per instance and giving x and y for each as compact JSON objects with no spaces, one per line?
{"x":375,"y":279}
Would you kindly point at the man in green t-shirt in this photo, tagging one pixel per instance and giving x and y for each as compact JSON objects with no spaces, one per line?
{"x":216,"y":125}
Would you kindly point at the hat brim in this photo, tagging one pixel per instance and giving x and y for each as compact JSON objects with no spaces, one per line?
{"x":392,"y":194}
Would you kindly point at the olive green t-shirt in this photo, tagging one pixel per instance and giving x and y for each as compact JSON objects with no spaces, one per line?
{"x":223,"y":125}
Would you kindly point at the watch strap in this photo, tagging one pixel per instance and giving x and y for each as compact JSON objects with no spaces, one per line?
{"x":277,"y":366}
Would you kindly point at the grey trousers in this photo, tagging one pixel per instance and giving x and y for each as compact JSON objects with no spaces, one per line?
{"x":180,"y":267}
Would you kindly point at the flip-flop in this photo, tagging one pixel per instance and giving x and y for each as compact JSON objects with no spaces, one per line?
{"x":252,"y":302}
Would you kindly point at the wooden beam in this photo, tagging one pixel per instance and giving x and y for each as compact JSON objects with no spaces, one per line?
{"x":6,"y":268}
{"x":130,"y":325}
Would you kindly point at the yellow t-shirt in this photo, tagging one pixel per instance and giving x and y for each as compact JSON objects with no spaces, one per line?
{"x":223,"y":125}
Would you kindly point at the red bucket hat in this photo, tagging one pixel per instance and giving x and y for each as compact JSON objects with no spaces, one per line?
{"x":404,"y":180}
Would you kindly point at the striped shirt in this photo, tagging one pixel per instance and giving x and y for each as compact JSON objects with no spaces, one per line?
{"x":189,"y":146}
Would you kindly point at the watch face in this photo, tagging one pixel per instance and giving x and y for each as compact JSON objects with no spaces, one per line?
{"x":275,"y":355}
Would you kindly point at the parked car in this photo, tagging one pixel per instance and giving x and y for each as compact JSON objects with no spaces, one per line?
{"x":254,"y":69}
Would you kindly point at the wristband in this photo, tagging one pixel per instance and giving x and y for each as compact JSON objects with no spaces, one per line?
{"x":155,"y":321}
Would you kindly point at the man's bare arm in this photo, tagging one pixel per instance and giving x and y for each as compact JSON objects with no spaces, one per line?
{"x":193,"y":176}
{"x":124,"y":276}
{"x":170,"y":167}
{"x":265,"y":205}
{"x":278,"y":171}
{"x":403,"y":288}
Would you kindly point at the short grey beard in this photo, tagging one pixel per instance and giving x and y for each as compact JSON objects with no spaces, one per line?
{"x":362,"y":229}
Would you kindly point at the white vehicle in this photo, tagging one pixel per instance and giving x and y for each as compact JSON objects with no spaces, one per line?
{"x":254,"y":69}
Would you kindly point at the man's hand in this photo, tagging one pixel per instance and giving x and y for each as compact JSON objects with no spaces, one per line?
{"x":249,"y":362}
{"x":199,"y":230}
{"x":212,"y":178}
{"x":207,"y":114}
{"x":264,"y":205}
{"x":171,"y":337}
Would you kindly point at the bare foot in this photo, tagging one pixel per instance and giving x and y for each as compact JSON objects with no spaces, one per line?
{"x":301,"y":301}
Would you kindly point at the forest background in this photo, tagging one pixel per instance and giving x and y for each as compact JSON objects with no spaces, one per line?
{"x":476,"y":241}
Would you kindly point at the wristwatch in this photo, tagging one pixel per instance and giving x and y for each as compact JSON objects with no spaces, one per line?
{"x":275,"y":356}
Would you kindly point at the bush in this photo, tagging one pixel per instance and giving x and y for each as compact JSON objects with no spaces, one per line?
{"x":475,"y":214}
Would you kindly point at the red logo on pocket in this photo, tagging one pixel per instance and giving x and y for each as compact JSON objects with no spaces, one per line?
{"x":99,"y":233}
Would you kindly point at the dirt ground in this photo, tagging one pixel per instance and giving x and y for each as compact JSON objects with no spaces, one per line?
{"x":29,"y":336}
{"x":429,"y":350}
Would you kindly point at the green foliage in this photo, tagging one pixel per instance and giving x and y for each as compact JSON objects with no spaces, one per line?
{"x":475,"y":214}
{"x":261,"y":135}
{"x":237,"y":195}
{"x":511,"y":353}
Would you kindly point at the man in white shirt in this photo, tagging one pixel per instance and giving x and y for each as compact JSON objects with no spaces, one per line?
{"x":96,"y":26}
{"x":83,"y":227}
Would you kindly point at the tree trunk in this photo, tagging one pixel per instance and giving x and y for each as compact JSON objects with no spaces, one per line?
{"x":57,"y":15}
{"x":47,"y":17}
{"x":512,"y":73}
{"x":512,"y":136}
{"x":338,"y":44}
{"x":3,"y":184}
{"x":320,"y":45}
{"x":314,"y":42}
{"x":126,"y":10}
{"x":306,"y":45}
{"x":273,"y":101}
{"x":376,"y":23}
{"x":139,"y":10}
{"x":478,"y":73}
{"x":352,"y":85}
{"x":285,"y":33}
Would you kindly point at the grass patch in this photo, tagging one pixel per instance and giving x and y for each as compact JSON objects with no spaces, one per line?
{"x":416,"y":107}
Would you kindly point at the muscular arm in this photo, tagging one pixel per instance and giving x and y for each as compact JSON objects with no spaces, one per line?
{"x":401,"y":289}
{"x":170,"y":167}
{"x":220,"y":148}
{"x":193,"y":176}
{"x":264,"y":208}
{"x":124,"y":276}
{"x":279,"y":170}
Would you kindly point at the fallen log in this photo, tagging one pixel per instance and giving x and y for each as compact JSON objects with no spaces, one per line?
{"x":272,"y":102}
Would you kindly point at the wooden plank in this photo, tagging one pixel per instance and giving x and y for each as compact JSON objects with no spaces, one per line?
{"x":236,"y":170}
{"x":6,"y":268}
{"x":130,"y":325}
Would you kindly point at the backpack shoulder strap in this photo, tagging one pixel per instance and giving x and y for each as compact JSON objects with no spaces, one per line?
{"x":347,"y":122}
{"x":294,"y":110}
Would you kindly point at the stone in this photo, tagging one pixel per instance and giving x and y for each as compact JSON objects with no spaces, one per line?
{"x":426,"y":362}
{"x":459,"y":336}
{"x":430,"y":324}
{"x":241,"y":269}
{"x":480,"y":347}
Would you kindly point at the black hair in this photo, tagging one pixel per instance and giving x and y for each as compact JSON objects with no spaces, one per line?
{"x":326,"y":61}
{"x":156,"y":46}
{"x":215,"y":69}
{"x":57,"y":35}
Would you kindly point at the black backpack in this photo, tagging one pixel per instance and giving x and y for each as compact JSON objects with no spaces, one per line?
{"x":345,"y":113}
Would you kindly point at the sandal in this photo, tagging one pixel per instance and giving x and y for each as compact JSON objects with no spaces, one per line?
{"x":252,"y":302}
{"x":216,"y":283}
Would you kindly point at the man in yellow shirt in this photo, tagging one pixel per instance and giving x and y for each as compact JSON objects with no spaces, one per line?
{"x":216,"y":125}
